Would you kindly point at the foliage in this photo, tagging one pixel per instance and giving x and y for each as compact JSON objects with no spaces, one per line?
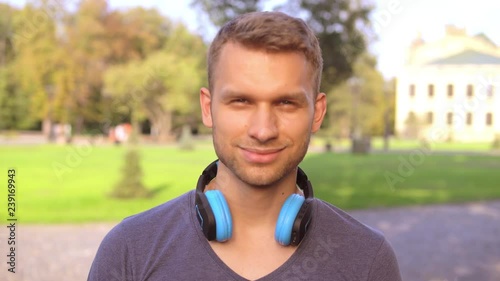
{"x":13,"y":103}
{"x":413,"y":126}
{"x":35,"y":61}
{"x":496,"y":143}
{"x":186,"y":139}
{"x":131,"y":183}
{"x":341,"y":27}
{"x":358,"y":106}
{"x":53,"y":63}
{"x":164,"y":83}
{"x":221,"y":11}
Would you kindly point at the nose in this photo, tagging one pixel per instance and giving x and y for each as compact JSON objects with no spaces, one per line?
{"x":263,"y":124}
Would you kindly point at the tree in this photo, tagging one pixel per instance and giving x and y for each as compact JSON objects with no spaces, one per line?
{"x":6,"y":30}
{"x":357,"y":107}
{"x":165,"y":83}
{"x":134,"y":34}
{"x":221,"y":11}
{"x":36,"y":52}
{"x":390,"y":110}
{"x":12,"y":103}
{"x":413,"y":126}
{"x":185,"y":44}
{"x":130,"y":185}
{"x":52,"y":66}
{"x":88,"y":50}
{"x":99,"y":38}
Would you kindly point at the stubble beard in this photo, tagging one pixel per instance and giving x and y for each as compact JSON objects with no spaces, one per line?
{"x":259,"y":175}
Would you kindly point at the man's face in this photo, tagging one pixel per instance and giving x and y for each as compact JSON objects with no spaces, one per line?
{"x":262,"y":110}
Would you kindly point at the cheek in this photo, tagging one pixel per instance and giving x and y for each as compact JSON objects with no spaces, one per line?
{"x":228,"y":122}
{"x":297,"y":123}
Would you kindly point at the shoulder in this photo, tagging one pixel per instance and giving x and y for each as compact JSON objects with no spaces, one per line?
{"x":155,"y":220}
{"x":143,"y":236}
{"x":330,"y":216}
{"x":171,"y":208}
{"x":338,"y":228}
{"x":353,"y":242}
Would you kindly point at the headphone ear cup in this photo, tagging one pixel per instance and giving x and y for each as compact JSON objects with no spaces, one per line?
{"x":286,"y":219}
{"x":220,"y":209}
{"x":205,"y":216}
{"x":302,"y":222}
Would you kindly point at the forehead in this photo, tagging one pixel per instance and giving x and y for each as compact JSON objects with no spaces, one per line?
{"x":252,"y":68}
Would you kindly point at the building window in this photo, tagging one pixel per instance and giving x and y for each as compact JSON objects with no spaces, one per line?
{"x":469,"y":118}
{"x":490,"y":91}
{"x":470,"y":91}
{"x":489,"y":119}
{"x":430,"y":117}
{"x":449,"y":118}
{"x":450,"y":90}
{"x":431,"y":90}
{"x":412,"y":90}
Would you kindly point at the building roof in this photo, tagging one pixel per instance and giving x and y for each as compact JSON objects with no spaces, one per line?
{"x":482,"y":36}
{"x":468,"y":57}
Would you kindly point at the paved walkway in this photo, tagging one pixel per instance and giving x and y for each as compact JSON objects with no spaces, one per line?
{"x":443,"y":243}
{"x":433,"y":243}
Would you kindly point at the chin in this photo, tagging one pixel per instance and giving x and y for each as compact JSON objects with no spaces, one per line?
{"x":262,"y":175}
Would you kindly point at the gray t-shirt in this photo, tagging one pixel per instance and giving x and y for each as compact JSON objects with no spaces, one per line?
{"x":166,"y":243}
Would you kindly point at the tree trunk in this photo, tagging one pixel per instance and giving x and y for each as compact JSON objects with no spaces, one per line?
{"x":163,"y":127}
{"x":79,"y":125}
{"x":48,"y":129}
{"x":161,"y":122}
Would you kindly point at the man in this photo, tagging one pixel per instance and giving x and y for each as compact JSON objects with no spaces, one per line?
{"x":263,"y":104}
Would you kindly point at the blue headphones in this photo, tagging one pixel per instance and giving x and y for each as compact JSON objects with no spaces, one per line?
{"x":216,"y":222}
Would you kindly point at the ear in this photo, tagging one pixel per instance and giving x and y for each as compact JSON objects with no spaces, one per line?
{"x":319,"y":111}
{"x":206,"y":111}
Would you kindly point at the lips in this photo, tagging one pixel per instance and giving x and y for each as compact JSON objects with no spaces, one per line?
{"x":261,"y":156}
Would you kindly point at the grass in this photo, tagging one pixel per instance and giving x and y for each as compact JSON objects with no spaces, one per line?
{"x":387,"y":180}
{"x":57,"y":184}
{"x":402,"y":144}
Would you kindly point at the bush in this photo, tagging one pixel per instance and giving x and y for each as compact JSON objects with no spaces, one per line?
{"x":186,"y":139}
{"x":425,"y":144}
{"x":496,"y":143}
{"x":361,"y":145}
{"x":130,"y":185}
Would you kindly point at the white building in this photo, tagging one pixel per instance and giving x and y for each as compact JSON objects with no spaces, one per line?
{"x":450,"y":89}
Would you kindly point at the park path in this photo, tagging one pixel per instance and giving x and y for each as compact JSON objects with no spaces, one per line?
{"x":432,"y":243}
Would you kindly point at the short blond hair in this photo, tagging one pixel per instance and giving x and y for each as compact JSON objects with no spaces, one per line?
{"x":271,"y":32}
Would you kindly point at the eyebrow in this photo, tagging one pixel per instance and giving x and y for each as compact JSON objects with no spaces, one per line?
{"x":299,"y":96}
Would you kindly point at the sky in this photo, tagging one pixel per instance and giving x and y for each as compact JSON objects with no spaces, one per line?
{"x":396,"y":22}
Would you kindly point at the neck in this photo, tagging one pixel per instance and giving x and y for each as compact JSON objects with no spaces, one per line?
{"x":253,"y":206}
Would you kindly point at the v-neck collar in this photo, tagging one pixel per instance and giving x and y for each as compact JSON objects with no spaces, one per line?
{"x":231,"y":273}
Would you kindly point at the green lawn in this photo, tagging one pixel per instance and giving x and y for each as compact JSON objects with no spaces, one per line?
{"x":62,"y":184}
{"x":402,"y":144}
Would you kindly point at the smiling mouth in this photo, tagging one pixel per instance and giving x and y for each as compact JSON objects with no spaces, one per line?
{"x":262,"y":156}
